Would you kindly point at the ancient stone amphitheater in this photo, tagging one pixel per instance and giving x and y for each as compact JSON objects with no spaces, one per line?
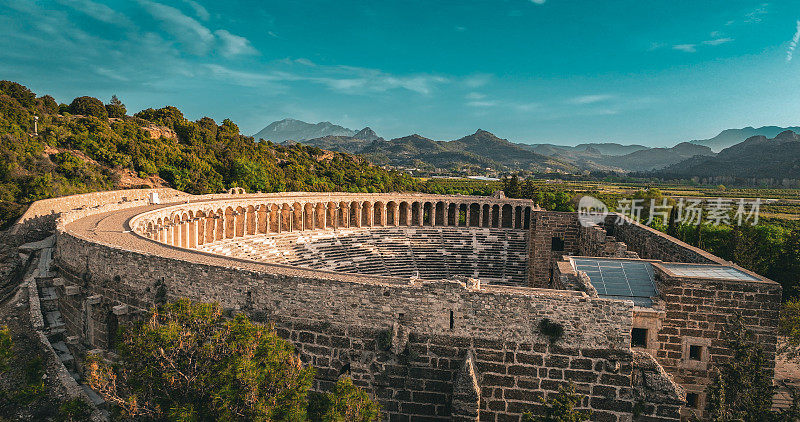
{"x":441,"y":307}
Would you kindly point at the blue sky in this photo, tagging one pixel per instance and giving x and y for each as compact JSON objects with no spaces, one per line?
{"x":560,"y":71}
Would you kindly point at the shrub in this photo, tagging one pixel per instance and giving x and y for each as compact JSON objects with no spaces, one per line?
{"x":550,"y":329}
{"x":347,"y":403}
{"x":187,"y":361}
{"x":74,"y":410}
{"x":88,"y":106}
{"x":560,"y":407}
{"x":115,"y":108}
{"x":5,"y":348}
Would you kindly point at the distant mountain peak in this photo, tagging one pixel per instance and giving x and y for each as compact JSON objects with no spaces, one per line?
{"x":731,"y":137}
{"x":298,"y":130}
{"x":367,"y":134}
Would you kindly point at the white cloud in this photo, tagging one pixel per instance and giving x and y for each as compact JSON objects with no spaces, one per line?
{"x":475,"y":96}
{"x":478,"y":80}
{"x":482,"y":103}
{"x":590,"y":99}
{"x":793,"y":43}
{"x":344,"y":79}
{"x":233,"y":45}
{"x":195,"y":36}
{"x":689,"y":48}
{"x":538,"y":1}
{"x":757,"y":15}
{"x":98,"y":11}
{"x":199,"y":10}
{"x":718,"y":41}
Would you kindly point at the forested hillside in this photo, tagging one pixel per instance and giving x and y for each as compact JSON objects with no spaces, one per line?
{"x":88,"y":146}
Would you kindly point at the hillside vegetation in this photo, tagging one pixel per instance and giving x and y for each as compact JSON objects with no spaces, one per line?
{"x":79,"y":148}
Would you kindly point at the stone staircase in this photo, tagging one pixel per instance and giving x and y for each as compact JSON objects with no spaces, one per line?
{"x":47,"y":320}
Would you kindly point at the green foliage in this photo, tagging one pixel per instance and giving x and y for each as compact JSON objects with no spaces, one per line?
{"x":741,"y":388}
{"x":789,"y":327}
{"x":115,"y":108}
{"x":88,"y":106}
{"x":204,"y":158}
{"x":346,"y":403}
{"x":74,"y":410}
{"x":560,"y":407}
{"x":186,"y":361}
{"x":550,"y":329}
{"x":5,"y":348}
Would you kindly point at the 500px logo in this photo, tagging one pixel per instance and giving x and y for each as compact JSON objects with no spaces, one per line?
{"x":591,"y":211}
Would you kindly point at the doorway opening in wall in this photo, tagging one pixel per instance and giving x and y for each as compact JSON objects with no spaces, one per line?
{"x":557,"y":244}
{"x":691,"y":400}
{"x":639,"y":337}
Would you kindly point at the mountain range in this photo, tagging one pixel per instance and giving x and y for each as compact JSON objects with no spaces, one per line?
{"x":484,"y":151}
{"x":758,"y":157}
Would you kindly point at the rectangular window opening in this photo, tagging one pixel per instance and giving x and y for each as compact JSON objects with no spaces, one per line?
{"x":695,"y":352}
{"x":557,"y":244}
{"x":452,"y":320}
{"x":639,"y":337}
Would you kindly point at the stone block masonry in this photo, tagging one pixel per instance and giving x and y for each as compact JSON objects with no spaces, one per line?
{"x":426,"y":348}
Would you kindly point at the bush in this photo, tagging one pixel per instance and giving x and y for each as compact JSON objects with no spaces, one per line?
{"x":88,"y":106}
{"x":347,"y":403}
{"x":5,"y":348}
{"x":550,"y":329}
{"x":560,"y":407}
{"x":186,"y":361}
{"x":74,"y":410}
{"x":115,"y":108}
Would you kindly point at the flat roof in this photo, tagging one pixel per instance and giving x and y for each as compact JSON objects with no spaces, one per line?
{"x":723,"y":272}
{"x":620,"y":278}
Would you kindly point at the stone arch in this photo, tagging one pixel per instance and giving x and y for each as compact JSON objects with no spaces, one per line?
{"x":416,"y":214}
{"x":404,"y":214}
{"x":262,"y":219}
{"x":391,"y":214}
{"x":474,"y":215}
{"x":319,"y":215}
{"x":308,"y":216}
{"x":200,"y":227}
{"x":330,"y":216}
{"x":378,"y":213}
{"x":229,"y":223}
{"x":427,"y":214}
{"x":176,"y":230}
{"x":355,"y":214}
{"x":439,"y":214}
{"x":518,"y":217}
{"x":239,"y":217}
{"x":150,"y":231}
{"x":507,"y":216}
{"x":209,"y":234}
{"x":274,"y":218}
{"x":495,"y":215}
{"x":343,"y":211}
{"x":527,"y":218}
{"x":250,"y":220}
{"x":221,"y":224}
{"x":462,"y":215}
{"x":297,"y":217}
{"x":452,"y":214}
{"x":366,"y":214}
{"x":286,"y":218}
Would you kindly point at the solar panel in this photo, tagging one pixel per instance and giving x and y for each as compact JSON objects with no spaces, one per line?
{"x":709,"y":271}
{"x":620,"y":279}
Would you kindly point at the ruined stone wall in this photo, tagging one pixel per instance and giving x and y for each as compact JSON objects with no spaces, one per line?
{"x":698,"y":313}
{"x":39,"y":220}
{"x":595,"y":241}
{"x":545,"y":226}
{"x":650,"y":243}
{"x":431,"y":327}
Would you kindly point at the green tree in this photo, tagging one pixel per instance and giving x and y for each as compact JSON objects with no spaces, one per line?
{"x":115,"y":108}
{"x":88,"y":106}
{"x":346,"y":403}
{"x":186,"y":361}
{"x":560,"y":407}
{"x":741,"y":388}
